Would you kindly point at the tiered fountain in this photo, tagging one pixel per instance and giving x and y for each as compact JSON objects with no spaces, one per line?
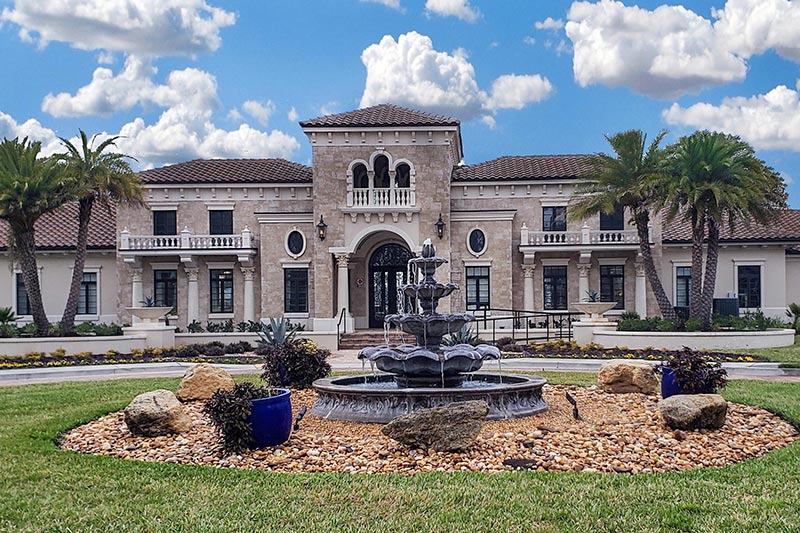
{"x":427,"y":374}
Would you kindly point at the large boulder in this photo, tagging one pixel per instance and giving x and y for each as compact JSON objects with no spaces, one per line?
{"x":694,"y":411}
{"x":201,"y":381}
{"x":157,"y":413}
{"x":448,"y":428}
{"x":620,"y":376}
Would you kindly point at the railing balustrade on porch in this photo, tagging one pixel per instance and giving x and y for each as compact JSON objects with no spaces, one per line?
{"x":383,"y":197}
{"x":186,"y":241}
{"x":525,"y":325}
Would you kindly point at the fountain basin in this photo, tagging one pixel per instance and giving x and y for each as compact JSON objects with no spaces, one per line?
{"x":429,"y":329}
{"x":379,"y":399}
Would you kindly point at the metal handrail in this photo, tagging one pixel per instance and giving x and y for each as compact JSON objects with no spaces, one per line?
{"x":556,"y":324}
{"x":338,"y":327}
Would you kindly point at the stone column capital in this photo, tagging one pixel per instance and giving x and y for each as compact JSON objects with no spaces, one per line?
{"x":136,"y":275}
{"x":639,"y":269}
{"x":583,"y":269}
{"x":248,"y":273}
{"x":191,"y":273}
{"x":528,"y":270}
{"x":342,"y":260}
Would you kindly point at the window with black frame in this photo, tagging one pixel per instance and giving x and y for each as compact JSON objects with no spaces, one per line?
{"x":477,"y":288}
{"x":683,"y":286}
{"x":749,"y":286}
{"x":165,"y":288}
{"x":165,"y":223}
{"x":220,"y":222}
{"x":612,"y":285}
{"x":221,"y":290}
{"x":613,"y":221}
{"x":23,"y":303}
{"x":555,"y":288}
{"x":87,"y":297}
{"x":295,"y":290}
{"x":554,"y":218}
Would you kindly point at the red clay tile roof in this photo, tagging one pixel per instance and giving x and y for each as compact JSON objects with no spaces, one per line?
{"x":794,"y":250}
{"x":785,"y":229}
{"x":58,"y":229}
{"x":380,"y":115}
{"x":229,"y":171}
{"x":525,"y":167}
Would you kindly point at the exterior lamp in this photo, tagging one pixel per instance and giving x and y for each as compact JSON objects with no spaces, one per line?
{"x":322,"y":227}
{"x":440,"y":226}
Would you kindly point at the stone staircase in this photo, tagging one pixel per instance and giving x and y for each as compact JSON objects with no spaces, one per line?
{"x":372,"y":337}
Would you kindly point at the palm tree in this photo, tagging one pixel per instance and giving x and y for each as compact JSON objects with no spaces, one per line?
{"x":102,"y":177}
{"x":29,"y":187}
{"x":716,"y":179}
{"x":627,"y":180}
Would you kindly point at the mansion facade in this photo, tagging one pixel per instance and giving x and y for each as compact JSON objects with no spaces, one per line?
{"x":250,"y":239}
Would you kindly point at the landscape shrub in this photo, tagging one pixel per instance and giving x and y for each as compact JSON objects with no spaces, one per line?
{"x":696,"y":373}
{"x":230,"y":411}
{"x":294,"y":364}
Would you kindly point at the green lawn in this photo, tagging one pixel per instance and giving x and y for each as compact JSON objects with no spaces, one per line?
{"x":788,"y":354}
{"x":45,"y":489}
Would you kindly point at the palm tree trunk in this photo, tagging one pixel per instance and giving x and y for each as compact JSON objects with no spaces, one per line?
{"x":642,"y":221}
{"x":25,"y":250}
{"x":71,"y":307}
{"x":710,"y":277}
{"x":696,"y":290}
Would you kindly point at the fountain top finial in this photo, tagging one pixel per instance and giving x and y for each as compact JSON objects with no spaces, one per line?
{"x":428,"y":250}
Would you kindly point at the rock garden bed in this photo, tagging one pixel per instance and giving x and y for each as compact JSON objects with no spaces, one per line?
{"x":616,"y":433}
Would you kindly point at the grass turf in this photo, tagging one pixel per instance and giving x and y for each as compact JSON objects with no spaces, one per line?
{"x":787,"y":354}
{"x":45,"y":489}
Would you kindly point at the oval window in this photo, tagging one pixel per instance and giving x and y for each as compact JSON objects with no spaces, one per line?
{"x":477,"y":241}
{"x":296,"y":243}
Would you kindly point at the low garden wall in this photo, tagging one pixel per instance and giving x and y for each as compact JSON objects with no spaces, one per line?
{"x":323,"y":340}
{"x":72,"y":345}
{"x":700,"y":340}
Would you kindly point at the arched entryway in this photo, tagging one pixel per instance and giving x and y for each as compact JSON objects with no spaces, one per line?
{"x":388,"y":269}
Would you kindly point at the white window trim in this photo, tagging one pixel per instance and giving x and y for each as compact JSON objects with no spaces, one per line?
{"x":172,"y":206}
{"x":675,"y":266}
{"x":295,"y":316}
{"x":554,"y":202}
{"x":555,"y":262}
{"x":761,"y":263}
{"x":611,"y":261}
{"x":299,"y":265}
{"x":95,"y":316}
{"x":220,"y":206}
{"x":477,"y":263}
{"x":18,"y":270}
{"x":286,"y":242}
{"x":219,"y":316}
{"x":289,"y":263}
{"x":214,"y":265}
{"x":478,"y":253}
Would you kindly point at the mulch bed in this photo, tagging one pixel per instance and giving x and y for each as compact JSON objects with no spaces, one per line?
{"x":619,"y":433}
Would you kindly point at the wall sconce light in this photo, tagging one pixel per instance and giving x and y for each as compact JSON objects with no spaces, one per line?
{"x":322,"y":228}
{"x":440,"y":227}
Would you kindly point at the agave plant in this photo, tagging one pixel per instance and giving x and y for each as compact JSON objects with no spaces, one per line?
{"x":793,"y":312}
{"x":465,"y":335}
{"x":278,"y":332}
{"x":148,"y":301}
{"x":7,"y":315}
{"x":592,"y":296}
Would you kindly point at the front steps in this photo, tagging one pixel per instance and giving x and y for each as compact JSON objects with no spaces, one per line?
{"x":372,"y":337}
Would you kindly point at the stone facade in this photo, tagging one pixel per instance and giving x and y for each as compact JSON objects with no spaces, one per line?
{"x":360,"y":216}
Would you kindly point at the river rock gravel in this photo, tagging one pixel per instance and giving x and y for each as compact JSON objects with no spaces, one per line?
{"x":617,"y":433}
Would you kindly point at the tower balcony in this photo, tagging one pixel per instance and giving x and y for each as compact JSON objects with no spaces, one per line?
{"x":382,"y":198}
{"x":187,"y":245}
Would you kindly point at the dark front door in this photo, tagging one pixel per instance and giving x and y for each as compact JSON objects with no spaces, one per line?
{"x":388,"y":269}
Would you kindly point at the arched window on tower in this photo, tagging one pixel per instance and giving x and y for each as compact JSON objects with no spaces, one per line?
{"x":403,"y":174}
{"x":381,"y":172}
{"x":360,"y":178}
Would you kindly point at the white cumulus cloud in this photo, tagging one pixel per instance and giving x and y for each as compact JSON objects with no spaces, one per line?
{"x":292,"y":115}
{"x":452,"y":8}
{"x":549,"y":24}
{"x":32,"y":129}
{"x":662,"y":53}
{"x":410,"y":72}
{"x":394,"y":4}
{"x":261,"y":111}
{"x":768,"y":121}
{"x":751,"y":27}
{"x":147,"y":27}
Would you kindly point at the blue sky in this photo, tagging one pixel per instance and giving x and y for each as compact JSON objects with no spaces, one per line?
{"x":182,"y":79}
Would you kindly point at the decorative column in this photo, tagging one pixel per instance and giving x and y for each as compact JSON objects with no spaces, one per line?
{"x":193,"y":305}
{"x":249,"y":293}
{"x":136,"y":291}
{"x":583,"y":280}
{"x":343,"y":289}
{"x":641,"y":290}
{"x":527,"y":272}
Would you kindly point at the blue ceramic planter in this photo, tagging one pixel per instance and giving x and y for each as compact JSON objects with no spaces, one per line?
{"x":271,"y":419}
{"x":669,"y":384}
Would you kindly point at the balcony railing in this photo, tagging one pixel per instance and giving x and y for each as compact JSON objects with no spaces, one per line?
{"x":382,"y":197}
{"x":186,"y":241}
{"x":586,"y":236}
